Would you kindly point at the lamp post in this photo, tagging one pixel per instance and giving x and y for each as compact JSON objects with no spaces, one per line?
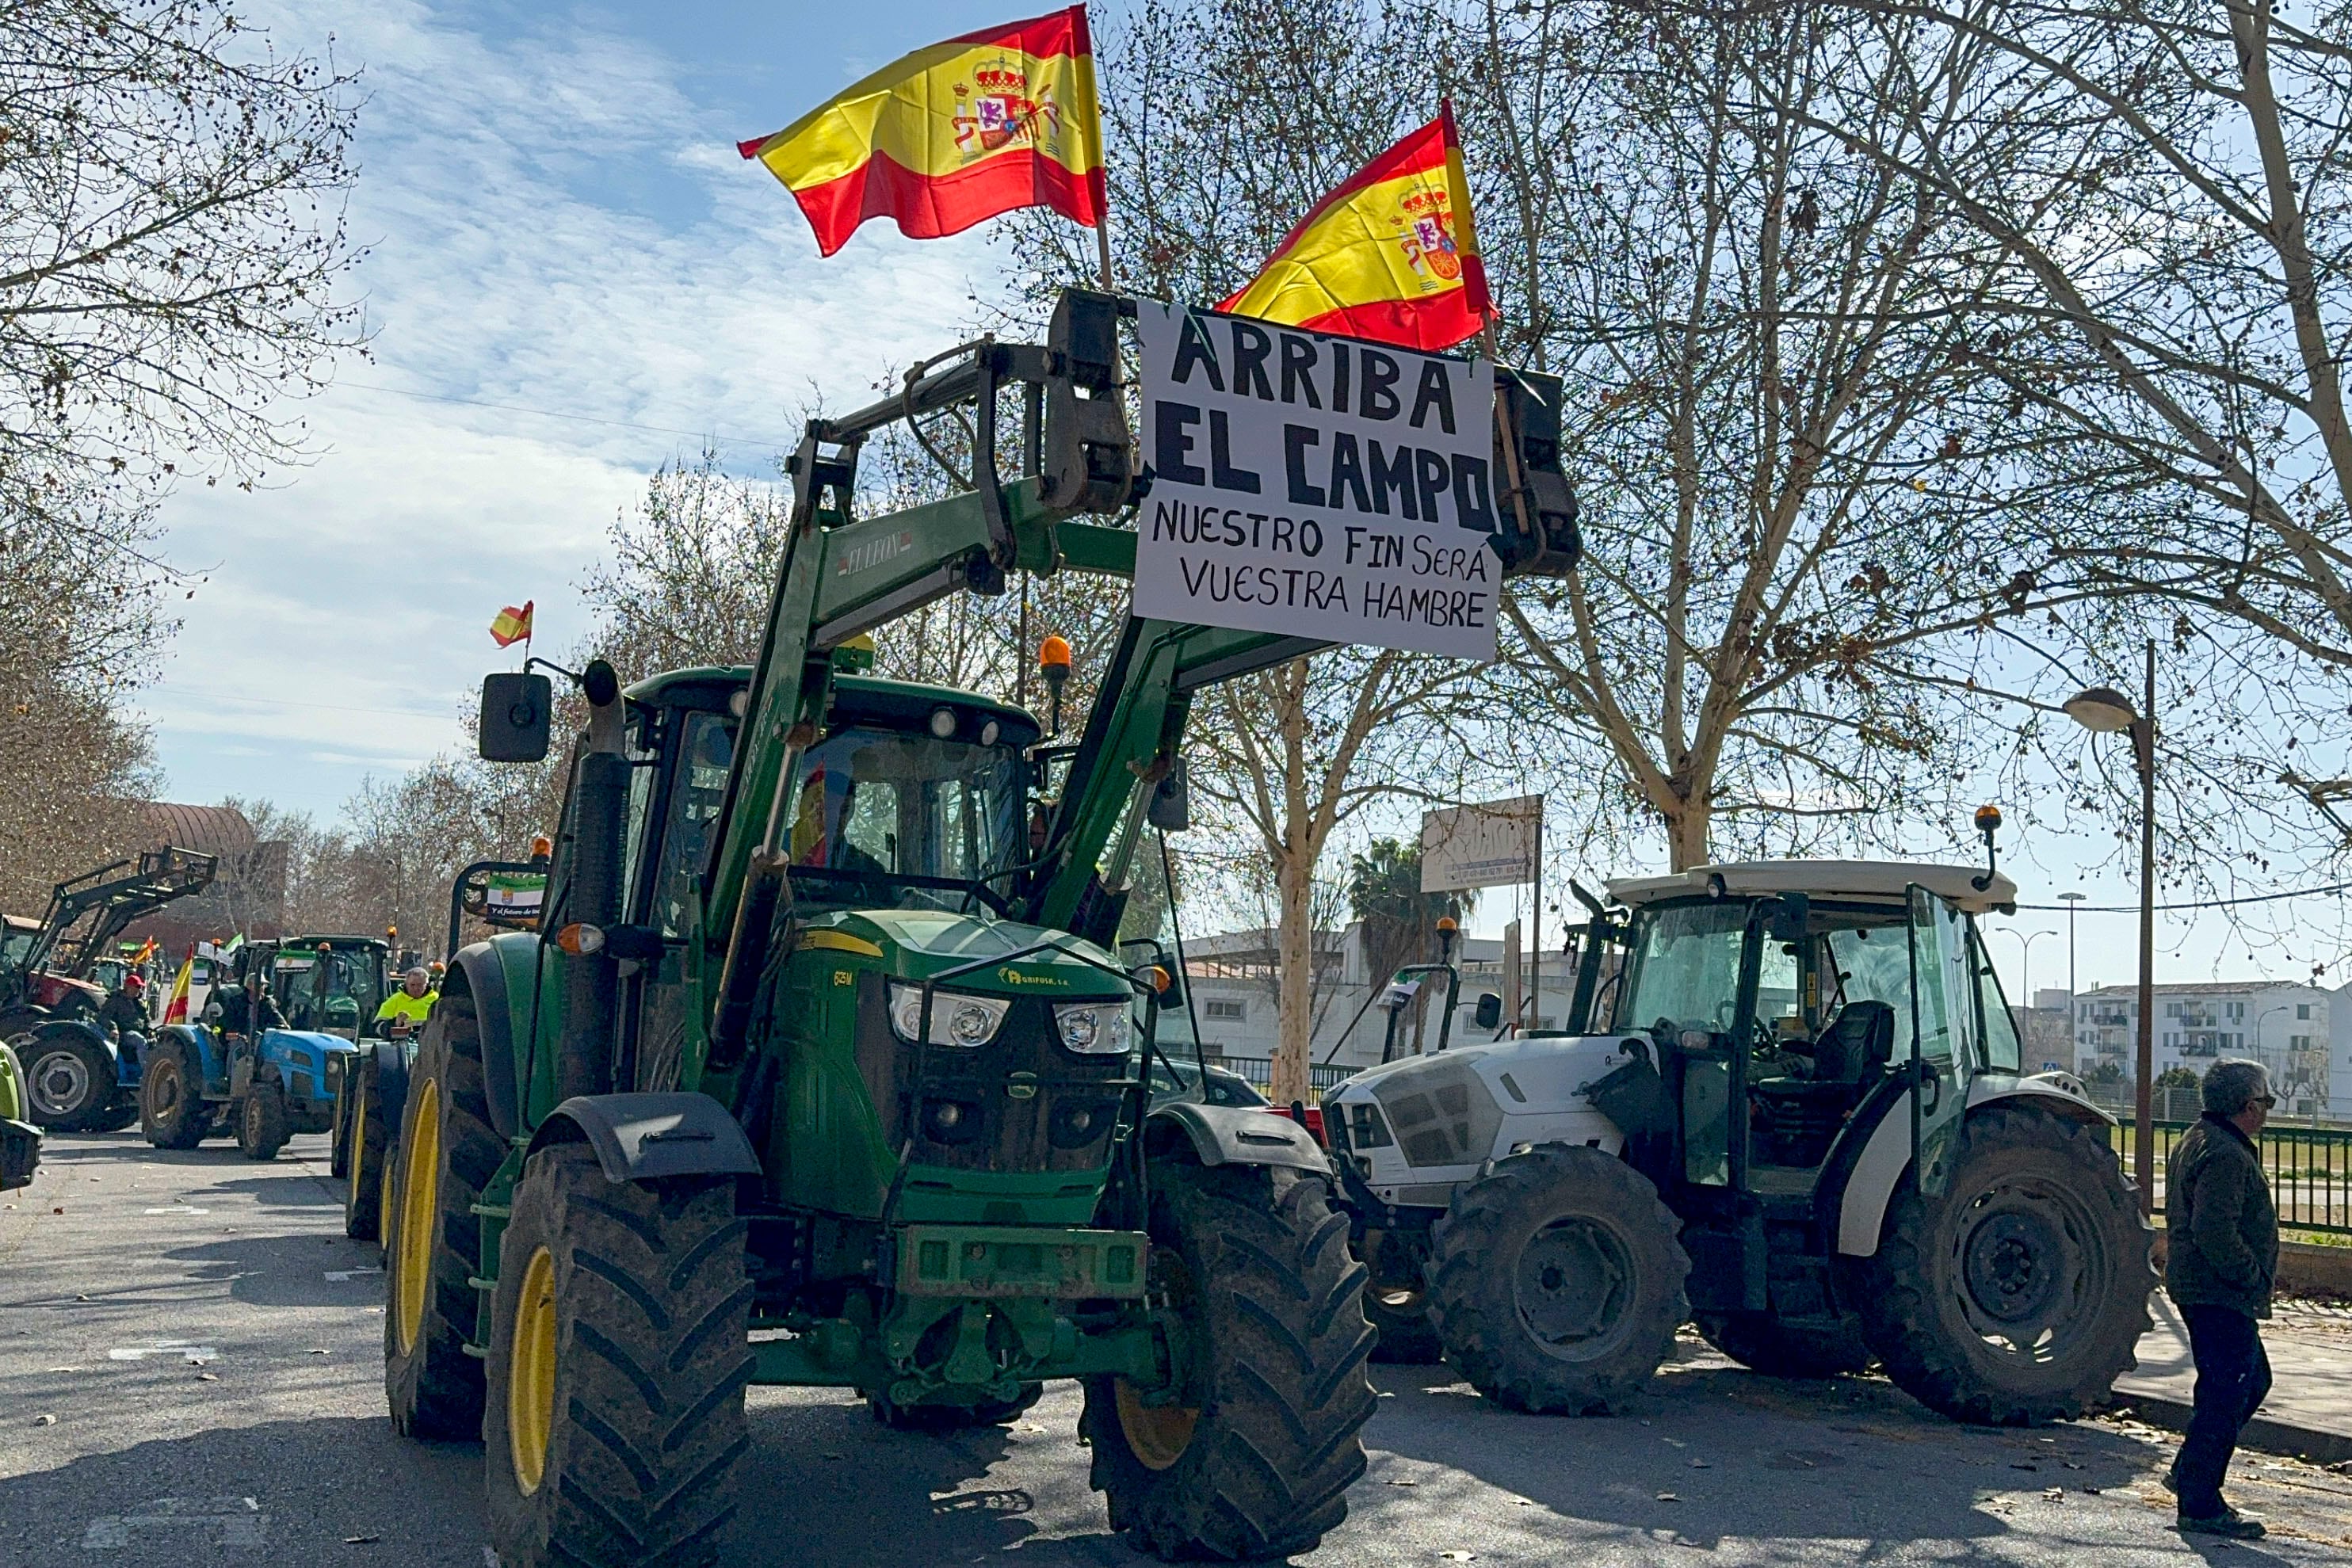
{"x":2025,"y":941}
{"x":2073,"y":1024}
{"x":2103,"y":710}
{"x":2260,"y":1019}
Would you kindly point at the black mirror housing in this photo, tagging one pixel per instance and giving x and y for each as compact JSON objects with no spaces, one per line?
{"x":1489,"y":1013}
{"x":1171,"y":810}
{"x":516,"y":713}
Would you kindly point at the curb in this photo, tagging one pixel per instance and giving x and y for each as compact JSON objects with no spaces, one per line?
{"x":2262,"y":1434}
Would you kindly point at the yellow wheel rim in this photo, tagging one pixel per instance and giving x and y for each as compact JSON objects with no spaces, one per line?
{"x":1157,"y":1434}
{"x":530,"y":1373}
{"x":419,"y":1205}
{"x":358,"y":1136}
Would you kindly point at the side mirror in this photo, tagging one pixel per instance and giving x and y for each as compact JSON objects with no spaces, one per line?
{"x":1788,"y":921}
{"x":1489,"y":1013}
{"x":516,"y":710}
{"x":1171,"y":810}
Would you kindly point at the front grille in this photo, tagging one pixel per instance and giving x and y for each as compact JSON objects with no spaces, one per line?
{"x":971,"y":1113}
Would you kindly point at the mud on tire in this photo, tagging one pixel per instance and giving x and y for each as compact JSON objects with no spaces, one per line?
{"x":619,"y":1353}
{"x":1257,"y":1460}
{"x":2019,"y":1295}
{"x":448,"y":1153}
{"x":1764,"y":1343}
{"x":1556,"y":1281}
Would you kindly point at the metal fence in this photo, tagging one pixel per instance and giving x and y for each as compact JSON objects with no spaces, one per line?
{"x":1259,"y":1072}
{"x":2310,"y":1171}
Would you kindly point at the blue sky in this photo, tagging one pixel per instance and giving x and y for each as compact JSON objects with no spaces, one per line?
{"x":559,"y":225}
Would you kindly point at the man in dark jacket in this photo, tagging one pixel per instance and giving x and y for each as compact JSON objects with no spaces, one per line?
{"x":2221,"y":1256}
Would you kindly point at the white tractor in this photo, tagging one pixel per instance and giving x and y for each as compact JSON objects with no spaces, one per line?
{"x":1805,"y":1125}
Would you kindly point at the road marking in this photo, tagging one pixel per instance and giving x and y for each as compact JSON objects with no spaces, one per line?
{"x":222,"y":1521}
{"x":177,"y":1209}
{"x":344,"y":1276}
{"x":163,"y":1347}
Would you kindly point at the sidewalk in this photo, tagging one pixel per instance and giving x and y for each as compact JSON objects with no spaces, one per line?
{"x":2309,"y":1412}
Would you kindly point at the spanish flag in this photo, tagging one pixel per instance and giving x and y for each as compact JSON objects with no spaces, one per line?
{"x":512,"y":625}
{"x":1391,"y":254}
{"x":176,"y":1009}
{"x":979,"y":125}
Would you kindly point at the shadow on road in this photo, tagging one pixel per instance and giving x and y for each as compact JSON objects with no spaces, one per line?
{"x":1714,"y":1452}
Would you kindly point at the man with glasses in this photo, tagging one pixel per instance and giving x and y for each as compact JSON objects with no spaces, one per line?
{"x":2222,"y":1256}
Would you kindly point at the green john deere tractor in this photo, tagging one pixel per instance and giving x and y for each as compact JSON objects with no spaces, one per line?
{"x":824,"y":1067}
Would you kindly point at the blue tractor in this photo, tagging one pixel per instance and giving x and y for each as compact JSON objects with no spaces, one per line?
{"x":263,"y":1084}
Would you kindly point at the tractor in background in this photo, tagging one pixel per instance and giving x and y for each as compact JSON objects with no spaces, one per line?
{"x":505,"y":895}
{"x":262,"y":1085}
{"x":1808,"y":1129}
{"x":77,"y":1077}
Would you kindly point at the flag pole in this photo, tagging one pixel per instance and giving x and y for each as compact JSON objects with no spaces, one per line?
{"x":1102,"y":248}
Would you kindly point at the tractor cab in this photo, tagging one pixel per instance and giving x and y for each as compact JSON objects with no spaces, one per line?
{"x":327,"y":985}
{"x":1782,"y":1002}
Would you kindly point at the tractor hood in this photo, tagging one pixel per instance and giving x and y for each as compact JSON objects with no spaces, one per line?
{"x":916,"y":944}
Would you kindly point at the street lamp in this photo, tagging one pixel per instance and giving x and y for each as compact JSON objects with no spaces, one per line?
{"x":2025,"y":941}
{"x":2103,"y":710}
{"x":2260,"y":1019}
{"x":2073,"y":1025}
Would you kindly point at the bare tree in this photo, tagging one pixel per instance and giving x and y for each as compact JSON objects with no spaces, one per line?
{"x":1809,"y":520}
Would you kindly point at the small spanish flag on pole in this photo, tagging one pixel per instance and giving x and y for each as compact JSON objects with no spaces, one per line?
{"x":176,"y":1010}
{"x":983,"y":124}
{"x":512,"y":625}
{"x":1391,"y":254}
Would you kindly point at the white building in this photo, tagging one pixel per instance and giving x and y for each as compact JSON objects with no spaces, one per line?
{"x":2288,"y":1027}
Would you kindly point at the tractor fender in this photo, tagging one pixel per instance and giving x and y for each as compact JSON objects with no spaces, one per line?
{"x":67,"y":1029}
{"x":1234,"y":1135}
{"x":497,"y":975}
{"x":1887,"y":1155}
{"x":638,"y":1138}
{"x":202,"y":1051}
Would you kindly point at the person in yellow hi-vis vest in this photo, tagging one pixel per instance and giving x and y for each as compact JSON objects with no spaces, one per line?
{"x":406,"y":1007}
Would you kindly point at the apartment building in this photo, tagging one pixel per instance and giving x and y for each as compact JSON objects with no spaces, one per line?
{"x":2284,"y":1025}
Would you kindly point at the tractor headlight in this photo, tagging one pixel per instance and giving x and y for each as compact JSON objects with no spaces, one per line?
{"x":1094,"y":1029}
{"x":956,"y":1018}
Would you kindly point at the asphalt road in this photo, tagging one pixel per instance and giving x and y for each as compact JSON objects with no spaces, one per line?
{"x":190,"y":1373}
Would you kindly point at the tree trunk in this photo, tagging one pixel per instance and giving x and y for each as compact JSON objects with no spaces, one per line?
{"x":1295,"y":1016}
{"x":1686,"y":829}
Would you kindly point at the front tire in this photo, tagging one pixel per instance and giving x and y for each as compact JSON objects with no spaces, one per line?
{"x":619,"y":1353}
{"x":2018,"y":1296}
{"x":1254,"y":1457}
{"x":261,"y":1125}
{"x":364,"y":1137}
{"x":172,"y":1109}
{"x":1556,"y":1281}
{"x":1766,"y":1344}
{"x":68,"y":1082}
{"x":448,"y":1153}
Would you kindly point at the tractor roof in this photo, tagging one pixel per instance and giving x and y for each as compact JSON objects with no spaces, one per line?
{"x":698,"y":685}
{"x":1864,"y":881}
{"x":19,"y":923}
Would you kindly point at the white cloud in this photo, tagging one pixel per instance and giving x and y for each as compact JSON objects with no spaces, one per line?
{"x":553,"y":224}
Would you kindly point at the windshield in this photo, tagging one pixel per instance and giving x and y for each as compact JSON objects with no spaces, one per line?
{"x":905,"y":821}
{"x":1685,"y":966}
{"x":15,"y":948}
{"x":339,"y":988}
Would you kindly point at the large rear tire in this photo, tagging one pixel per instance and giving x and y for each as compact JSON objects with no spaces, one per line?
{"x":1254,"y":1457}
{"x":68,"y":1081}
{"x":448,"y":1153}
{"x":1556,"y":1281}
{"x":1764,"y":1343}
{"x":619,"y":1353}
{"x":172,"y":1109}
{"x":364,"y":1137}
{"x":2018,"y":1297}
